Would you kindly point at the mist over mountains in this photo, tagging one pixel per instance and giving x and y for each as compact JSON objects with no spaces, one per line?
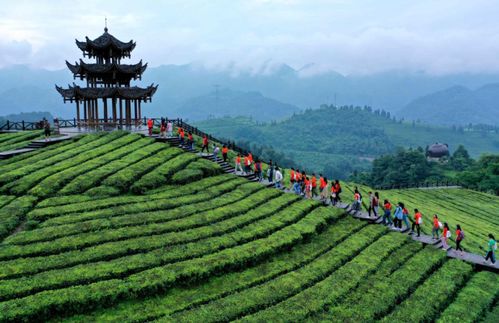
{"x":189,"y":91}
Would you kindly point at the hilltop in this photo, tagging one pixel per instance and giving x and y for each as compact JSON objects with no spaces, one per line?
{"x":339,"y":141}
{"x":456,"y":105}
{"x":118,"y":227}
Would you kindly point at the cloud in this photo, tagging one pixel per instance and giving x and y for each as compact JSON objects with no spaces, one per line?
{"x":352,"y":37}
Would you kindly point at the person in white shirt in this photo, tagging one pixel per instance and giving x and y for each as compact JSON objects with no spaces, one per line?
{"x":169,"y":129}
{"x":277,"y":177}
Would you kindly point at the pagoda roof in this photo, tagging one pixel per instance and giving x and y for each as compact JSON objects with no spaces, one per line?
{"x":132,"y":93}
{"x":83,"y":68}
{"x":104,"y":43}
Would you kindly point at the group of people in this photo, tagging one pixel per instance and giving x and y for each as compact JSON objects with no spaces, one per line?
{"x":401,"y":216}
{"x":308,"y":187}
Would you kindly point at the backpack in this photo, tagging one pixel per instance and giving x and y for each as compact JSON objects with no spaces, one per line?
{"x":339,"y":189}
{"x":495,"y":246}
{"x":461,"y":235}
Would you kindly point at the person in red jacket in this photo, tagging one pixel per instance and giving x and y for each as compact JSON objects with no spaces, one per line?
{"x":205,"y":144}
{"x":418,"y":220}
{"x":190,"y":141}
{"x":314,"y":185}
{"x":150,"y":125}
{"x":225,"y":151}
{"x":459,"y":239}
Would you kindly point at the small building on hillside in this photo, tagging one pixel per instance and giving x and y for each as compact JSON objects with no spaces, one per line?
{"x":108,"y":83}
{"x":437,"y":151}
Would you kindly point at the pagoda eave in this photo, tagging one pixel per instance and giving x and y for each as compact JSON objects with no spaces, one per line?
{"x":128,"y":93}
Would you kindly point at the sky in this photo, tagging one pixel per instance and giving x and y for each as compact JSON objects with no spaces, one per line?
{"x":314,"y":36}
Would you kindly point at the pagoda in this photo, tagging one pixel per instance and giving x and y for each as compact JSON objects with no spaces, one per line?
{"x":108,"y":81}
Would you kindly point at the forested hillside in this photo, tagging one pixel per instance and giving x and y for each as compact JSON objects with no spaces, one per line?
{"x":339,"y":141}
{"x":118,"y":227}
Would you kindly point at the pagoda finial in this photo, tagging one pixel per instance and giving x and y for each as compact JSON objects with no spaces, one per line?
{"x":105,"y":25}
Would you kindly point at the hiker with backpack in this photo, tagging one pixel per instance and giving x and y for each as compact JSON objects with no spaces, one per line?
{"x":297,"y":182}
{"x":387,"y":214}
{"x":445,"y":236}
{"x":313,"y":182}
{"x":46,"y":129}
{"x":491,"y":251}
{"x":435,"y":230}
{"x":418,"y":220}
{"x":459,"y":239}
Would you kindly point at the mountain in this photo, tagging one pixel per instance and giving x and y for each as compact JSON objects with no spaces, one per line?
{"x":24,"y":89}
{"x":234,"y":103}
{"x":456,"y":105}
{"x":340,"y":141}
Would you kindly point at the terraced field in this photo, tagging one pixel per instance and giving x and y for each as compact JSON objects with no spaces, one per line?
{"x":476,"y":212}
{"x":116,"y":227}
{"x":15,"y":140}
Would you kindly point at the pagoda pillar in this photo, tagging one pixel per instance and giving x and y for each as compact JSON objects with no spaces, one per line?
{"x":114,"y":110}
{"x":135,"y":111}
{"x":78,"y":111}
{"x":105,"y":109}
{"x":140,"y":110}
{"x":91,"y":111}
{"x":128,"y":112}
{"x":96,"y":107}
{"x":121,"y":111}
{"x":85,"y":110}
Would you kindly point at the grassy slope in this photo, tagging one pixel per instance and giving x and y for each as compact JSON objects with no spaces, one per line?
{"x":203,"y":248}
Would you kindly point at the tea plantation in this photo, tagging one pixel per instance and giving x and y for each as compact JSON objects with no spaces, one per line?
{"x":118,"y":227}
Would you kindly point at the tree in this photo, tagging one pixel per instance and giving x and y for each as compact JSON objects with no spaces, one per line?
{"x":460,"y":159}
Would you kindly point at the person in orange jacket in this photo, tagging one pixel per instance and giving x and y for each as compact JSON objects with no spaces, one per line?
{"x":225,"y":152}
{"x":205,"y":144}
{"x":150,"y":125}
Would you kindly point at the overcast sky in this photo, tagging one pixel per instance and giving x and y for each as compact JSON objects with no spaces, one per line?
{"x":351,"y":37}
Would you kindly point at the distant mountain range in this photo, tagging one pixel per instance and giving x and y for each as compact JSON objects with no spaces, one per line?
{"x":188,"y":90}
{"x":456,"y":105}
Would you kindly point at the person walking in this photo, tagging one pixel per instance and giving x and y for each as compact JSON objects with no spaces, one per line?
{"x":418,"y":220}
{"x":372,"y":204}
{"x":435,"y":230}
{"x":162,"y":128}
{"x":278,"y":178}
{"x":46,"y":129}
{"x":181,"y":135}
{"x":205,"y":144}
{"x":238,"y":164}
{"x":308,"y":187}
{"x":169,"y":128}
{"x":247,"y":164}
{"x":398,"y":215}
{"x":357,"y":200}
{"x":150,"y":125}
{"x":322,"y":187}
{"x":405,"y":216}
{"x":297,"y":183}
{"x":270,"y":172}
{"x":387,"y":214}
{"x":225,"y":152}
{"x":190,"y":141}
{"x":313,"y":182}
{"x":459,"y":239}
{"x":216,"y":150}
{"x":291,"y":178}
{"x":258,"y":170}
{"x":337,"y":189}
{"x":491,"y":249}
{"x":445,"y":236}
